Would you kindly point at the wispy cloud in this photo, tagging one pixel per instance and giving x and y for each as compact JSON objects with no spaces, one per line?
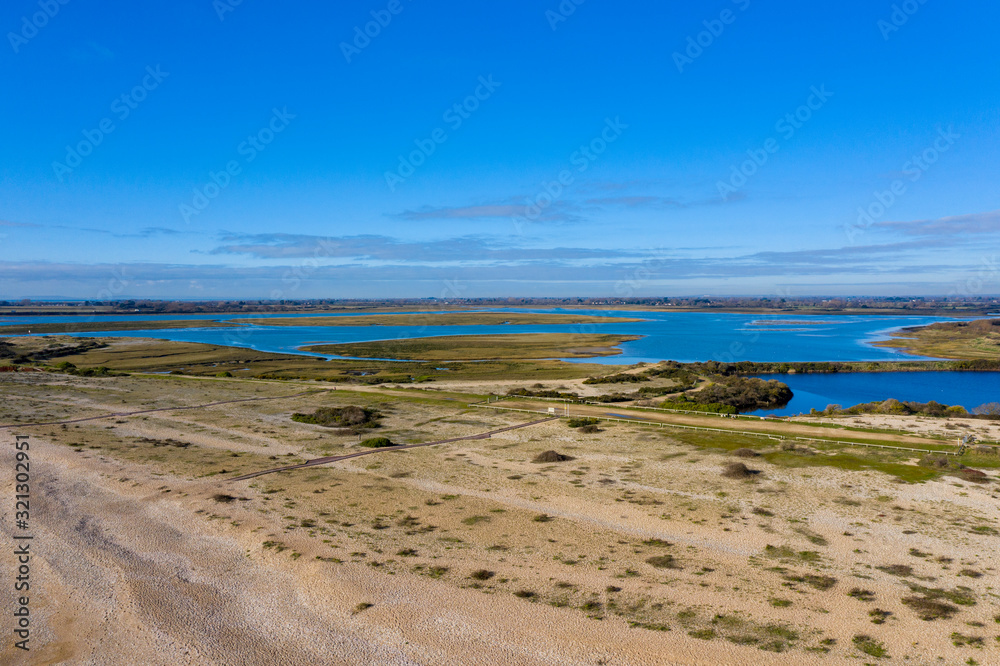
{"x":976,"y":223}
{"x":383,"y":248}
{"x":635,"y":201}
{"x":556,"y":211}
{"x":23,"y":225}
{"x":833,"y":265}
{"x":149,"y":232}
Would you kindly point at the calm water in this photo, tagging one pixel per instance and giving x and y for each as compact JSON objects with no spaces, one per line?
{"x":679,"y":336}
{"x":969,"y":389}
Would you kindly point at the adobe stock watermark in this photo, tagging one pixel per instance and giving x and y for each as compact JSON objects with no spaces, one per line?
{"x":786,"y":127}
{"x":900,"y":16}
{"x":562,"y":13}
{"x":122,"y":107}
{"x":363,"y":35}
{"x":913,"y":170}
{"x":582,"y":158}
{"x":249,"y":150}
{"x":696,"y":44}
{"x":454,"y":117}
{"x":223,"y":7}
{"x":975,"y":284}
{"x":641,"y":275}
{"x":31,"y":25}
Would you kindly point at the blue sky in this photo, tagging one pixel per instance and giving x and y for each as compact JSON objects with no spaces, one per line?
{"x":200,"y":149}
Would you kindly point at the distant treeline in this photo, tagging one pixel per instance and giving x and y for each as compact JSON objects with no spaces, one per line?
{"x":921,"y":305}
{"x":893,"y":406}
{"x":745,"y":368}
{"x":990,"y":410}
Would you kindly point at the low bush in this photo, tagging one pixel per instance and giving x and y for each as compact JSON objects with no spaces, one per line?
{"x":870,"y":646}
{"x":377,"y":443}
{"x":551,"y":457}
{"x":353,"y":417}
{"x":929,"y":609}
{"x":620,"y":378}
{"x":481,"y":574}
{"x":663,"y":562}
{"x":737,"y":470}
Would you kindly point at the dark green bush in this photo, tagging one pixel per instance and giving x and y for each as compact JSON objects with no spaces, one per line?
{"x":377,"y":443}
{"x":355,"y":418}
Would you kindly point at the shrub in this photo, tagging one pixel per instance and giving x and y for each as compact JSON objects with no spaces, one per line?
{"x":703,"y":634}
{"x":581,"y":422}
{"x":523,"y":392}
{"x":377,"y":443}
{"x":475,"y":520}
{"x":589,"y":429}
{"x":737,"y":470}
{"x":929,"y":609}
{"x":481,"y":574}
{"x":663,"y":562}
{"x":893,"y":406}
{"x":973,"y":475}
{"x":745,"y":453}
{"x":813,"y":580}
{"x":682,"y":403}
{"x":363,"y":606}
{"x":742,"y":394}
{"x":621,"y":378}
{"x":987,"y":409}
{"x":961,"y":640}
{"x":878,"y":615}
{"x":551,"y":457}
{"x":352,"y":417}
{"x":870,"y":646}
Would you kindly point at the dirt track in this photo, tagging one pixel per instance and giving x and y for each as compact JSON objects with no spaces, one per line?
{"x":736,"y":425}
{"x":358,"y":454}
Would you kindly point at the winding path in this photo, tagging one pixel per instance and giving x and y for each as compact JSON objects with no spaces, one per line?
{"x":358,"y":454}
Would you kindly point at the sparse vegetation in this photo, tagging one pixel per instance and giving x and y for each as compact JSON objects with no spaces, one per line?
{"x":737,"y":470}
{"x":377,"y":443}
{"x":481,"y":574}
{"x":870,"y":646}
{"x":663,"y":562}
{"x":351,"y":417}
{"x":551,"y":457}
